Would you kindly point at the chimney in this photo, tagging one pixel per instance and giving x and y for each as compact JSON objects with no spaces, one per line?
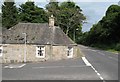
{"x":51,"y":21}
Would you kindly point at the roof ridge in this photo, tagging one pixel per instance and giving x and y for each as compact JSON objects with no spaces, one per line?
{"x":31,"y":23}
{"x":37,"y":33}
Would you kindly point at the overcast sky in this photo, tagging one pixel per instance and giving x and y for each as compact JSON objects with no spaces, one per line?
{"x":94,"y":10}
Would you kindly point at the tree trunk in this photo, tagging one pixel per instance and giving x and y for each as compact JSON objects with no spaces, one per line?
{"x":67,"y":30}
{"x":74,"y":35}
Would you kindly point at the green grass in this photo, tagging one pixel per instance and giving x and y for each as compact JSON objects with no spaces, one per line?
{"x":109,"y":48}
{"x":113,"y":51}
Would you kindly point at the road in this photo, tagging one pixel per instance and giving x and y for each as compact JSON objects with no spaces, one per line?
{"x":96,"y":65}
{"x":105,"y":63}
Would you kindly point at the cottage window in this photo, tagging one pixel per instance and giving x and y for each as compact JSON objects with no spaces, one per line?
{"x":70,"y":52}
{"x":40,"y":51}
{"x":1,"y":50}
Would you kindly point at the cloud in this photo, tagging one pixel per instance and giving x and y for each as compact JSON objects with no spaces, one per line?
{"x":94,"y":11}
{"x":119,"y":3}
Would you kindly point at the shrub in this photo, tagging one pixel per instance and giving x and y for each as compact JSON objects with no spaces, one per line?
{"x":117,"y":47}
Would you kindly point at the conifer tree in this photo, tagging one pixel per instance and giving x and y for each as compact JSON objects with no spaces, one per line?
{"x":9,"y":14}
{"x":29,"y":12}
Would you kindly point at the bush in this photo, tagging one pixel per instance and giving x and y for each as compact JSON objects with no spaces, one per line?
{"x":117,"y":47}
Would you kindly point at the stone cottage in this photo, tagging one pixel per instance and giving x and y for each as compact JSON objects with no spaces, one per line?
{"x":35,"y":42}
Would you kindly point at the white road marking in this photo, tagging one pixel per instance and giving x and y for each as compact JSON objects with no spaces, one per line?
{"x":86,"y":61}
{"x":56,"y":67}
{"x":108,"y":56}
{"x":88,"y":64}
{"x":49,"y":67}
{"x":11,"y":66}
{"x":113,"y":58}
{"x":22,"y":65}
{"x":101,"y":53}
{"x":6,"y":66}
{"x":94,"y":50}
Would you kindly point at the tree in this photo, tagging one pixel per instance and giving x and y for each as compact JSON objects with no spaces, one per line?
{"x":107,"y":30}
{"x":29,"y":12}
{"x":52,"y":7}
{"x":68,"y":16}
{"x":70,"y":19}
{"x":111,"y":23}
{"x":9,"y":14}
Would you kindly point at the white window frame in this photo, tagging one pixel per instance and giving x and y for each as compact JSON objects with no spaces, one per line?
{"x":70,"y":52}
{"x":40,"y":49}
{"x":1,"y":48}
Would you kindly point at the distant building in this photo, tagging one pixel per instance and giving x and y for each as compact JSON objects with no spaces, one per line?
{"x":35,"y":42}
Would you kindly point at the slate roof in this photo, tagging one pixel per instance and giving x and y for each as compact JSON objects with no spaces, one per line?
{"x":36,"y":33}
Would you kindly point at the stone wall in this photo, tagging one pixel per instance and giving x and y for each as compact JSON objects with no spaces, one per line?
{"x":14,"y":53}
{"x":60,"y":52}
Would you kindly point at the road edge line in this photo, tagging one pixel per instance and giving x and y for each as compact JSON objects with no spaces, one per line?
{"x":88,"y":64}
{"x":22,"y":65}
{"x":86,"y":61}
